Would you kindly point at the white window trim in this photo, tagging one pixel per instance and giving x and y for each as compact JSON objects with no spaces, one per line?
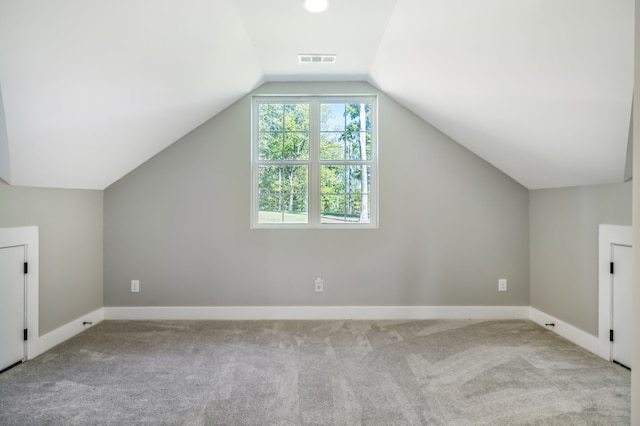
{"x":314,"y":162}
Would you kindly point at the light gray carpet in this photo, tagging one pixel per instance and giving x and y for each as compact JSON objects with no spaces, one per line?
{"x":316,"y":372}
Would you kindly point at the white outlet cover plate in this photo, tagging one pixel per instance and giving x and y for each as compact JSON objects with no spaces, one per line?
{"x":502,"y":285}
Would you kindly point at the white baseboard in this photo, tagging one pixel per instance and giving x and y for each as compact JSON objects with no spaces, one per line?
{"x":314,"y":312}
{"x":41,"y":344}
{"x":569,"y":332}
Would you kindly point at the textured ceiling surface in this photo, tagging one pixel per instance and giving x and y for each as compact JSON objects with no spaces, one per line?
{"x":90,"y":90}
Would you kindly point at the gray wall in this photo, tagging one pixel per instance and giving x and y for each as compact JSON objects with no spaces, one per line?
{"x":564,"y":248}
{"x":450,"y":225}
{"x":628,"y":165}
{"x":635,"y":373}
{"x":70,"y":227}
{"x":5,"y":163}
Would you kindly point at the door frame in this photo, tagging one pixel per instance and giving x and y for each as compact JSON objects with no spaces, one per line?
{"x":28,"y":236}
{"x":608,"y":235}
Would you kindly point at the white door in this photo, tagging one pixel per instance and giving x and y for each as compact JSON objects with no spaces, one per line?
{"x":12,"y":318}
{"x":621,"y":284}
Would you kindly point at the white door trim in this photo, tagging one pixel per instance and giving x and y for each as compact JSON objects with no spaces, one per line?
{"x":608,"y":235}
{"x":28,"y":236}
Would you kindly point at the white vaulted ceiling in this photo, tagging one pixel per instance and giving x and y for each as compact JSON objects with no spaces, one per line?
{"x":91,"y":89}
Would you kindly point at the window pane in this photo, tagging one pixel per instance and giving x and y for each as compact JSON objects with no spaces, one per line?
{"x":356,"y":182}
{"x":269,"y":209}
{"x":331,"y":146}
{"x":345,"y":194}
{"x":271,"y":117}
{"x":353,"y":208}
{"x":282,"y":216}
{"x":357,"y":133}
{"x":361,"y":111}
{"x":358,"y":208}
{"x":332,"y":179}
{"x":270,"y":145}
{"x":283,"y":194}
{"x":283,"y":132}
{"x":332,"y":209}
{"x":337,"y":179}
{"x":294,"y":179}
{"x":352,"y":144}
{"x":269,"y":180}
{"x":348,"y":124}
{"x":357,"y":112}
{"x":357,"y":143}
{"x":332,"y":117}
{"x":296,"y":117}
{"x":296,"y":146}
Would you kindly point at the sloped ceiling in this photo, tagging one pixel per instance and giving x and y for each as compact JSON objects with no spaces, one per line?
{"x":91,"y":89}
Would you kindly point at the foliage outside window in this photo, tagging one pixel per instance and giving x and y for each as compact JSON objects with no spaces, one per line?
{"x":314,"y":162}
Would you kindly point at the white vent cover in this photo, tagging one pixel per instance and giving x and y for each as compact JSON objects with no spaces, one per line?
{"x":307,"y":58}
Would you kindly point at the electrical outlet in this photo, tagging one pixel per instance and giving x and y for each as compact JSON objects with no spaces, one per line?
{"x":319,"y":285}
{"x":502,"y":284}
{"x":135,"y":286}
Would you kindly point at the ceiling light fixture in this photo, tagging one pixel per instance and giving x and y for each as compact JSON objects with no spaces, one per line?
{"x":316,"y":6}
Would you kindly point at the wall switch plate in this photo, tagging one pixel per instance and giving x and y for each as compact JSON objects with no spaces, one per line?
{"x":135,"y":286}
{"x":319,"y":285}
{"x":502,"y":284}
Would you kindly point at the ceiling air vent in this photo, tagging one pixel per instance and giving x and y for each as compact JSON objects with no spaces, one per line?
{"x":316,"y":59}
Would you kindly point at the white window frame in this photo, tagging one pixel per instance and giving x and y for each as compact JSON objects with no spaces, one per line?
{"x":314,"y":162}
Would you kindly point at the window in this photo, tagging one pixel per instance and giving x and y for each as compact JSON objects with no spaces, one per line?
{"x":314,"y":162}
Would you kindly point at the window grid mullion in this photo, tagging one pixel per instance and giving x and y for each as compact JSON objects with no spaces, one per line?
{"x":314,"y":156}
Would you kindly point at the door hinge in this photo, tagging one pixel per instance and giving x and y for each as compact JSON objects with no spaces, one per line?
{"x":26,"y":268}
{"x":611,"y":267}
{"x":611,"y":335}
{"x":26,"y":334}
